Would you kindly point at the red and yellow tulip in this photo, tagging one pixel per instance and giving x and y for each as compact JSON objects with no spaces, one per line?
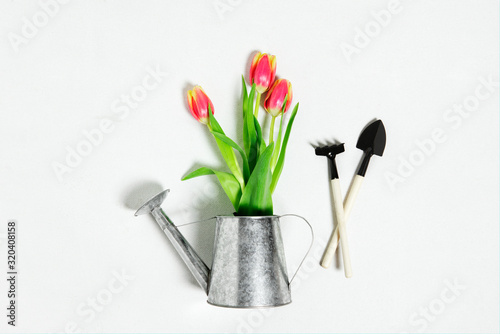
{"x":198,"y":104}
{"x":276,"y":96}
{"x":262,"y":71}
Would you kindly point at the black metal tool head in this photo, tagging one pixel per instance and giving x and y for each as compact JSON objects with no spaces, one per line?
{"x":330,"y":151}
{"x":372,"y":139}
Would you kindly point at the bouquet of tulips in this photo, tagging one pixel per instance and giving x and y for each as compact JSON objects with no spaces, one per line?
{"x":251,"y":186}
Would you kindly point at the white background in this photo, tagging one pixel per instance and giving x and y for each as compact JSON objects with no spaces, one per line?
{"x":435,"y":225}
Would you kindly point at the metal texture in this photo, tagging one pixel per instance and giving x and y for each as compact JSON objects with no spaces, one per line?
{"x":249,"y":267}
{"x":192,"y":260}
{"x":195,"y":264}
{"x":153,"y":203}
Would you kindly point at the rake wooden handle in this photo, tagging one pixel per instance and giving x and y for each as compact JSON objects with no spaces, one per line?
{"x":348,"y":204}
{"x":340,"y":217}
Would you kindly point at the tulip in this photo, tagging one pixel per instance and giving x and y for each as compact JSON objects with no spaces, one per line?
{"x":274,"y":101}
{"x":262,"y":72}
{"x":199,"y":104}
{"x":276,"y":96}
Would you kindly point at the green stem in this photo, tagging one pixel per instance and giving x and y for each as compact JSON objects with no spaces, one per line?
{"x":257,"y":105}
{"x":271,"y":130}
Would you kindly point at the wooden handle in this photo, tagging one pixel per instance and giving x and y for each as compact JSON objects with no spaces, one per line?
{"x":340,"y":217}
{"x":348,"y":204}
{"x":352,"y":194}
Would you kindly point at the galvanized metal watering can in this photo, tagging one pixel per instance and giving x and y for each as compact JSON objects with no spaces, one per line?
{"x":249,"y":267}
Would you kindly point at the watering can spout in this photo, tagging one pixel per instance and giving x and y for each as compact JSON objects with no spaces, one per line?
{"x":193,"y":261}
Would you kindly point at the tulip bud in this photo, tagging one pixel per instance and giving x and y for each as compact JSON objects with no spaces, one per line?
{"x":276,"y":96}
{"x":262,"y":71}
{"x":198,"y":104}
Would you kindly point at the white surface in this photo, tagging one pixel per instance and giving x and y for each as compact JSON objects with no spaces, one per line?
{"x":409,"y":242}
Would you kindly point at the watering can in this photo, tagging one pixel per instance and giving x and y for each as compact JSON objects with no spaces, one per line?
{"x":248,"y":268}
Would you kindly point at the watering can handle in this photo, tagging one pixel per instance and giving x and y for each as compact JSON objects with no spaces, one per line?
{"x":310,"y":246}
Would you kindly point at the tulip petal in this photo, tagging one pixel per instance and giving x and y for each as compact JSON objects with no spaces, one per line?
{"x":190,"y":99}
{"x":290,"y":96}
{"x":262,"y":74}
{"x":273,"y":68}
{"x":255,"y":60}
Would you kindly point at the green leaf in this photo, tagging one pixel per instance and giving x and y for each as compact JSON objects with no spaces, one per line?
{"x":251,"y":97}
{"x":276,"y":151}
{"x":226,"y":150}
{"x":230,"y":142}
{"x":250,"y":132}
{"x":214,"y":125}
{"x":261,"y":144}
{"x":246,"y":137}
{"x":228,"y":182}
{"x":281,"y":159}
{"x":245,"y":95}
{"x":257,"y":198}
{"x":277,"y":148}
{"x":199,"y":172}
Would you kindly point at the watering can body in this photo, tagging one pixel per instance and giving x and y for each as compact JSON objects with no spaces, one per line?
{"x":249,"y":266}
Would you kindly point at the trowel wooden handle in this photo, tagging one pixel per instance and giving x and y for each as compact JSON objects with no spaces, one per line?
{"x":340,"y":217}
{"x":352,"y":194}
{"x":348,"y":204}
